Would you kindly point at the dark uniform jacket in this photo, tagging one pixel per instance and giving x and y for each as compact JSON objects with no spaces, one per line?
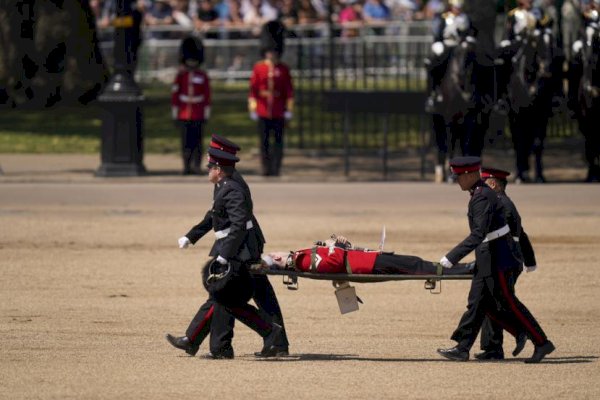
{"x":516,"y":230}
{"x":486,"y":214}
{"x":232,"y":210}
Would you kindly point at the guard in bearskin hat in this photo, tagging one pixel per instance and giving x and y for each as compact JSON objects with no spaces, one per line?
{"x":190,"y":102}
{"x":271,"y":98}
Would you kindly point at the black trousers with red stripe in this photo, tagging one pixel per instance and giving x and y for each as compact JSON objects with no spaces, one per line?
{"x":217,"y":321}
{"x":492,"y":334}
{"x":492,"y":296}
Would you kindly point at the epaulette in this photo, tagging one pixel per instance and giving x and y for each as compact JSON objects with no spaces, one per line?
{"x":545,"y":20}
{"x":477,"y":190}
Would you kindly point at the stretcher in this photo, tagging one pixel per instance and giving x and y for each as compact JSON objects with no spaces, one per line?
{"x":346,"y":294}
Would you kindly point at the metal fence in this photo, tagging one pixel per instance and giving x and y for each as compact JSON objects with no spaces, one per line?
{"x":380,"y":59}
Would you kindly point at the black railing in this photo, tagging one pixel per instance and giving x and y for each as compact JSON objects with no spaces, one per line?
{"x":324,"y":66}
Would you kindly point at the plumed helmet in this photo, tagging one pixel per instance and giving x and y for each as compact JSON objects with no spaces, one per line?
{"x":191,"y":49}
{"x":523,"y":21}
{"x":543,"y":20}
{"x":456,"y":3}
{"x":272,"y":37}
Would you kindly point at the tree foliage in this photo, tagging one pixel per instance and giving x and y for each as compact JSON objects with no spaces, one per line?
{"x":49,"y":53}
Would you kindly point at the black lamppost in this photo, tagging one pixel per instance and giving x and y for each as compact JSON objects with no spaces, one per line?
{"x":121,"y":100}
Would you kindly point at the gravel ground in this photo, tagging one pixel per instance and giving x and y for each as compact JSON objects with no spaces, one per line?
{"x":92,"y":279}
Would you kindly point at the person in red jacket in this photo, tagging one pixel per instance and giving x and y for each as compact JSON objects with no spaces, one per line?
{"x":271,"y":98}
{"x":337,"y":255}
{"x":190,"y":102}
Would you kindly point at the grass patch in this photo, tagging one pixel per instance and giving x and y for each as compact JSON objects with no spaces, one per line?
{"x":77,"y":129}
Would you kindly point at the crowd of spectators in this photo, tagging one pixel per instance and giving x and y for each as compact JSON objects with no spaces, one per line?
{"x":248,"y":15}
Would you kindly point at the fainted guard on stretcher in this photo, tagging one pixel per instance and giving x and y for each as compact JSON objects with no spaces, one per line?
{"x":337,"y":255}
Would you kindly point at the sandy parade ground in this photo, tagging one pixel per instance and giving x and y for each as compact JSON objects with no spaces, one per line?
{"x":92,"y":279}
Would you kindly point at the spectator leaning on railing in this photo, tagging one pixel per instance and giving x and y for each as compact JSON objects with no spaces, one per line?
{"x":159,"y":14}
{"x":350,"y":18}
{"x":207,"y":18}
{"x":181,"y":13}
{"x":376,"y":12}
{"x":288,"y":13}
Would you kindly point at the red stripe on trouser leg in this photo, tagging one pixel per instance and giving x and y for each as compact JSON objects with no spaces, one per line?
{"x":509,"y":296}
{"x":507,"y":327}
{"x":204,"y":324}
{"x":252,"y":319}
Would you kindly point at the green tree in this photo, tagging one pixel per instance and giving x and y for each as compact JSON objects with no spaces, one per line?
{"x":48,"y":53}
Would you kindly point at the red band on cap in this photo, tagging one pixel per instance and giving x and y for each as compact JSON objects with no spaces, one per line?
{"x":485,"y":174}
{"x":220,"y":162}
{"x":463,"y":169}
{"x":220,"y":146}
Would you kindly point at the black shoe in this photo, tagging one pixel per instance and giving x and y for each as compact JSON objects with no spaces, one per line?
{"x":521,"y":340}
{"x":454,"y":353}
{"x":540,"y":352}
{"x":522,"y":178}
{"x":276,"y":352}
{"x":182,"y":343}
{"x":490,"y":355}
{"x":221,"y":355}
{"x":269,"y":349}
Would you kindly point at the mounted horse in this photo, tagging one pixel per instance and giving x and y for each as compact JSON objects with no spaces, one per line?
{"x":450,"y":67}
{"x":527,"y":85}
{"x":584,"y":92}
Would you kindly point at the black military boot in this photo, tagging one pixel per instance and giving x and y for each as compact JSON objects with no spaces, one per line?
{"x":182,"y":343}
{"x":540,"y":352}
{"x":454,"y":353}
{"x":276,"y":352}
{"x":270,"y":349}
{"x":490,"y":355}
{"x":225,"y":354}
{"x":521,"y":340}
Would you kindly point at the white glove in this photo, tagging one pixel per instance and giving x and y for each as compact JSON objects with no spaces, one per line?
{"x":530,"y":268}
{"x":268,"y":260}
{"x":253,"y":116}
{"x":207,"y":113}
{"x":288,"y":115}
{"x":184,"y":242}
{"x":221,"y":260}
{"x":174,"y":111}
{"x":446,"y":263}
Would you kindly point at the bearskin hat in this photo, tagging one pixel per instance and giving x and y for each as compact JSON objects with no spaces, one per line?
{"x":272,"y":37}
{"x":230,"y":284}
{"x":191,"y":49}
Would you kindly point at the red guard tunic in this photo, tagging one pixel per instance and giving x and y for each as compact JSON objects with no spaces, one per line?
{"x":271,"y":89}
{"x":334,"y":260}
{"x":191,"y":95}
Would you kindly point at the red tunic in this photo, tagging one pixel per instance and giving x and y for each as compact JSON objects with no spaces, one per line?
{"x":271,"y":88}
{"x":331,"y":260}
{"x":191,"y":94}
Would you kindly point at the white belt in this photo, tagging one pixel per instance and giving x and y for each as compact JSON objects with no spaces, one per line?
{"x":496,"y":234}
{"x":191,"y":99}
{"x":224,"y":232}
